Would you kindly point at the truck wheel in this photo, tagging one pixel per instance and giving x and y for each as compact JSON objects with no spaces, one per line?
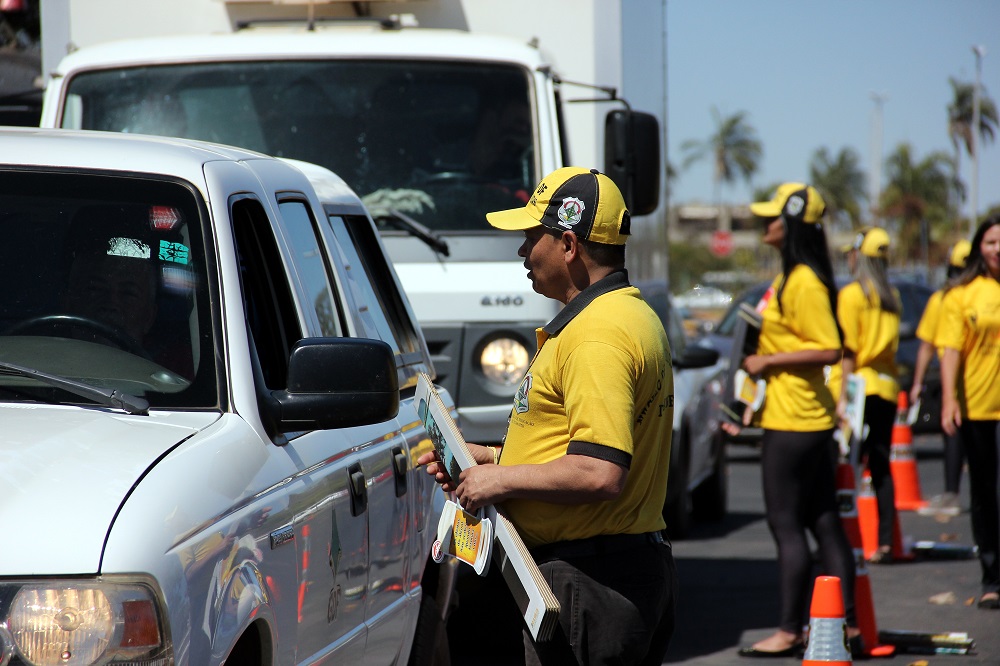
{"x":710,"y":498}
{"x":430,"y":640}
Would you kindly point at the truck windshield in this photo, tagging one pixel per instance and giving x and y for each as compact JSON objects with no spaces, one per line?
{"x":441,"y":142}
{"x":104,"y":283}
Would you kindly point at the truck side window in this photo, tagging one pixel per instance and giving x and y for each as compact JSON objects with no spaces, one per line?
{"x":382,"y":312}
{"x":267,"y":296}
{"x":311,"y":264}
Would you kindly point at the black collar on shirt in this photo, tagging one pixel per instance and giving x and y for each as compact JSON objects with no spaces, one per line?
{"x":611,"y":282}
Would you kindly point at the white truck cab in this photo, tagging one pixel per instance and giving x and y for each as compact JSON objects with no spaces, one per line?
{"x":432,"y":127}
{"x":207,"y":368}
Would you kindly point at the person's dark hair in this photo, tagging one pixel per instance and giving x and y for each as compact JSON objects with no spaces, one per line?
{"x":975,"y":265}
{"x":805,"y":243}
{"x":608,"y":256}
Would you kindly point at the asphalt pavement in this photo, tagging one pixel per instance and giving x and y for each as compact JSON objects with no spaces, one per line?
{"x":728,"y":584}
{"x":728,"y":576}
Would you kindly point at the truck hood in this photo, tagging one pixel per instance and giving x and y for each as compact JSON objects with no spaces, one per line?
{"x":65,"y":471}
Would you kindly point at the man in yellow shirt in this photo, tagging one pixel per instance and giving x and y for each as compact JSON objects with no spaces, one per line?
{"x":583,"y":468}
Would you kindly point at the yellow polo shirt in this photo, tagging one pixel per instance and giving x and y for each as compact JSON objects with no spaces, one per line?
{"x":798,"y":399}
{"x":970,"y":323}
{"x":600,"y":385}
{"x":929,"y":320}
{"x":873,"y":335}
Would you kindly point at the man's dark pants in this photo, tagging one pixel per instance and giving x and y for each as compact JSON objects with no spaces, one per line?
{"x":616,"y":603}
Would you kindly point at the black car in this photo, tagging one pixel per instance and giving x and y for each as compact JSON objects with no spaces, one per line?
{"x":914,"y":296}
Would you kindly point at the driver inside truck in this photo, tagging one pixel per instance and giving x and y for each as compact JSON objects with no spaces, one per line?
{"x":112,"y":276}
{"x":501,"y":144}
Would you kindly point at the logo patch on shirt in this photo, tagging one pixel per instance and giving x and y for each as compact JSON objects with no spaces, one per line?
{"x":521,"y":397}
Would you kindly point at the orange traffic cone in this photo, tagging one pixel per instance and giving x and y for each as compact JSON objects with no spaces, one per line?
{"x":902,"y":464}
{"x":868,"y":515}
{"x":864,"y":606}
{"x":827,"y":628}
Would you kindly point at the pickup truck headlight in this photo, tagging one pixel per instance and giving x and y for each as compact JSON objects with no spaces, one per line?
{"x":77,"y":622}
{"x":504,"y":361}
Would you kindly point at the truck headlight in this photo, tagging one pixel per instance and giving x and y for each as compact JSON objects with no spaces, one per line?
{"x":80,"y":622}
{"x":504,"y":361}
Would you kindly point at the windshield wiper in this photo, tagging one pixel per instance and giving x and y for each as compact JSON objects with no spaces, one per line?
{"x":109,"y":398}
{"x":407,"y":223}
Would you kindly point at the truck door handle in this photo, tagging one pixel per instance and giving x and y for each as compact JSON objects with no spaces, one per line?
{"x":358,"y":488}
{"x":400,"y":465}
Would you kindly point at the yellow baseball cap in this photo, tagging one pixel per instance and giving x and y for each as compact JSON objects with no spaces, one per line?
{"x":873,"y":243}
{"x":575,"y":199}
{"x":794,"y":201}
{"x":960,"y":253}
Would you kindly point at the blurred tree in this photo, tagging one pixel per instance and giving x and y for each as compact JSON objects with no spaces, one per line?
{"x":960,"y":115}
{"x":960,"y":118}
{"x":841,"y":182}
{"x":734,"y":150}
{"x":917,"y":199}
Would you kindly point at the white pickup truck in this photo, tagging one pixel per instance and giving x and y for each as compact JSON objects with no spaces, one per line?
{"x":207,"y":369}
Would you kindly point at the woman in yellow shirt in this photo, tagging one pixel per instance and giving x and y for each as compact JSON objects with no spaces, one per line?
{"x":868,"y":311}
{"x":969,"y":332}
{"x":798,"y":337}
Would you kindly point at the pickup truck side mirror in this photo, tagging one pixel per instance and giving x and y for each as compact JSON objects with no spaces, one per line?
{"x":696,"y":356}
{"x":336,"y":383}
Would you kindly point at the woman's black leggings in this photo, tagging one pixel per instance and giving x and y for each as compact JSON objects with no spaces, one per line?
{"x":798,"y":470}
{"x":982,"y":446}
{"x":880,"y":415}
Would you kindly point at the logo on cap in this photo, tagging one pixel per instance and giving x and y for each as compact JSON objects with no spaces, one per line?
{"x":570,"y":212}
{"x":795,"y":205}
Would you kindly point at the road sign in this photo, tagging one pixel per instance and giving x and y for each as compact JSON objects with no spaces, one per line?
{"x":721,"y":244}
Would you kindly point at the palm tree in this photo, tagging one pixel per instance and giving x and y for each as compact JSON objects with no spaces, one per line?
{"x":733,"y":148}
{"x":841,"y":181}
{"x":960,"y":117}
{"x":918,"y":197}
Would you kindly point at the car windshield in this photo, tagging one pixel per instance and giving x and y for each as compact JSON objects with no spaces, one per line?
{"x":440,"y":142}
{"x":104,"y":283}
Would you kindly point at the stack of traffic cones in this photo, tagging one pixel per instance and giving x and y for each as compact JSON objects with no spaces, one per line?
{"x":864,"y":606}
{"x":827,"y":628}
{"x":902,"y":463}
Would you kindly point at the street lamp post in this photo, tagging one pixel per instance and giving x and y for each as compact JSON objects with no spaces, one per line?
{"x":875,"y":176}
{"x":979,"y":51}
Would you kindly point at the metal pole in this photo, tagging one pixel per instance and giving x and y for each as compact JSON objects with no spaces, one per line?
{"x":980,"y":51}
{"x":875,"y":175}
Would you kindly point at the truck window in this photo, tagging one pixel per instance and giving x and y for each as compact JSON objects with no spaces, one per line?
{"x":311,"y":264}
{"x":105,"y":281}
{"x":267,"y":298}
{"x":443,"y":142}
{"x":390,"y":322}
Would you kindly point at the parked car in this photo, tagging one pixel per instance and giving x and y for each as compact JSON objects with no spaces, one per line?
{"x":914,"y":296}
{"x":207,"y":369}
{"x":697,"y":484}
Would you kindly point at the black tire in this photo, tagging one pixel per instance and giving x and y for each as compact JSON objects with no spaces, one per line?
{"x":677,"y":507}
{"x":711,"y":497}
{"x":430,"y":638}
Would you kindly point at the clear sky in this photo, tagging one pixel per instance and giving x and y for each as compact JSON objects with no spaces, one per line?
{"x":805,"y":72}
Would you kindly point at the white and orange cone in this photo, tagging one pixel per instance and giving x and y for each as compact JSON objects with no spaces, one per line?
{"x":827,"y":627}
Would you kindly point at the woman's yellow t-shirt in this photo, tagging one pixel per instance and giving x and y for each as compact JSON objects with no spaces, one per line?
{"x":970,"y":323}
{"x":797,"y":398}
{"x":873,"y":335}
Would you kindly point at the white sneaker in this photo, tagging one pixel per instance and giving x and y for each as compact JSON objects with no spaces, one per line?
{"x":945,"y":504}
